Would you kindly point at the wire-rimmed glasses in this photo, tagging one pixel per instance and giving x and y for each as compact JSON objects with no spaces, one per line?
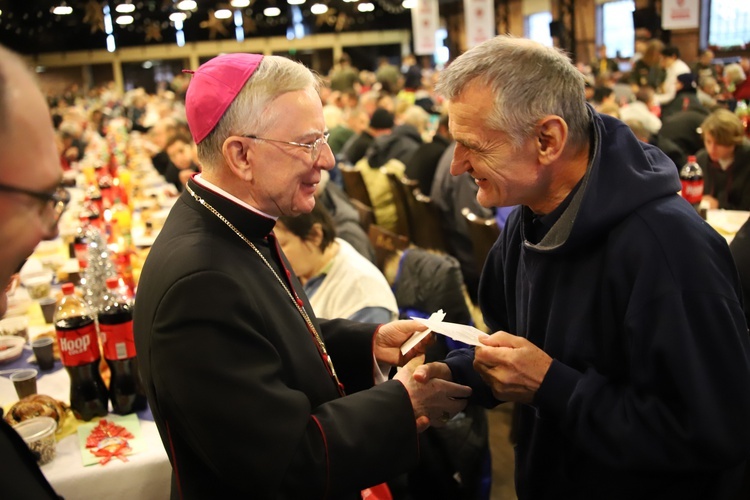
{"x":54,"y":202}
{"x":314,"y":147}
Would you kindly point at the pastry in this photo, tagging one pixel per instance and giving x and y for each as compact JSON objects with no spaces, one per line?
{"x":36,"y":405}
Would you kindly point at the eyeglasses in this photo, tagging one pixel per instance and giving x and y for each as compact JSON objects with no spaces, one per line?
{"x":314,"y":146}
{"x":57,"y":201}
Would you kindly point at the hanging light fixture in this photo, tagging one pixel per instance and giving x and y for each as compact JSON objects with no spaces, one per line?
{"x":187,"y":5}
{"x":319,"y":8}
{"x":239,"y":31}
{"x":271,"y":11}
{"x":177,"y":18}
{"x":62,"y":10}
{"x":240,"y":4}
{"x":223,"y":14}
{"x":125,"y":8}
{"x":295,"y":2}
{"x":409,"y":4}
{"x":365,"y":7}
{"x":111,"y":45}
{"x":124,"y":20}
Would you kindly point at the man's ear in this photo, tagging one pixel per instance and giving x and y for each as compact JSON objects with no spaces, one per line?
{"x":237,"y":155}
{"x":552,"y":135}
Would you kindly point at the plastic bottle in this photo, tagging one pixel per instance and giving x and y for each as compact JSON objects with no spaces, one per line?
{"x":79,"y":352}
{"x":80,"y":240}
{"x":116,"y":327}
{"x":691,"y":178}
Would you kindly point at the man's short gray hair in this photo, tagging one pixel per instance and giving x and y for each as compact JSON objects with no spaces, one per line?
{"x":529,"y":81}
{"x":248,"y":114}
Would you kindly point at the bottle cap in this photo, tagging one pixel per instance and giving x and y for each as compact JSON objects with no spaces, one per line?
{"x":68,"y":288}
{"x":113,"y":283}
{"x":691,"y":159}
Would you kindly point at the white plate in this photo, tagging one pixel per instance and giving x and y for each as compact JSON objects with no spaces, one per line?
{"x":12,"y":347}
{"x":727,"y":221}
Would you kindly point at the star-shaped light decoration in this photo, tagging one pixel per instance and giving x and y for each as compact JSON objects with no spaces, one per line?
{"x":214,"y":25}
{"x":94,"y":16}
{"x":342,"y":21}
{"x":153,"y":31}
{"x":328,"y":17}
{"x":248,"y":24}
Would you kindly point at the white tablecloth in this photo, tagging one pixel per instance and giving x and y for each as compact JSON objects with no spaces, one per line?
{"x":146,"y":475}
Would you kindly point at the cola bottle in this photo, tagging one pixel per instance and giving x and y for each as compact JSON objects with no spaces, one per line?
{"x":80,"y":240}
{"x":691,"y":178}
{"x":116,"y":328}
{"x":79,"y":353}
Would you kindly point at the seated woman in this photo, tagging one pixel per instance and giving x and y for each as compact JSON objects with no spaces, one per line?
{"x":339,"y":281}
{"x":725,"y":161}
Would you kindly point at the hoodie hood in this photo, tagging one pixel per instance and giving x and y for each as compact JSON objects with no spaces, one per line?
{"x":623,"y":175}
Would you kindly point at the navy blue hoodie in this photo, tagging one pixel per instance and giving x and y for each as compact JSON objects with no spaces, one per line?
{"x":638,"y":302}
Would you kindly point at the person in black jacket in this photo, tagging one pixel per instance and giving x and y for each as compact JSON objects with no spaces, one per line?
{"x":253,"y":395}
{"x":725,"y":161}
{"x":740,"y":248}
{"x":31,"y":203}
{"x":617,"y":312}
{"x":423,"y":162}
{"x":686,"y":98}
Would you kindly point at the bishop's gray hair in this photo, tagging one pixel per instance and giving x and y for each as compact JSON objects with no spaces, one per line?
{"x":248,"y":114}
{"x":529,"y":81}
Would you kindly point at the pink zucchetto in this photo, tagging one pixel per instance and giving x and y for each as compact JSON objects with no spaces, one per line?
{"x":213,"y":88}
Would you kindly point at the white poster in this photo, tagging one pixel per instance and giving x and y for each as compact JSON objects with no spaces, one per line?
{"x":425,"y":22}
{"x":679,"y":14}
{"x":480,"y":21}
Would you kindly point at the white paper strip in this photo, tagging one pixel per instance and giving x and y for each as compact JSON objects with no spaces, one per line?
{"x":462,"y":333}
{"x":418,"y":336}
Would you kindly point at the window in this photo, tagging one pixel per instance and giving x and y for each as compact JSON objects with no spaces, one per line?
{"x":729,"y":23}
{"x":537,"y":27}
{"x":615,"y":28}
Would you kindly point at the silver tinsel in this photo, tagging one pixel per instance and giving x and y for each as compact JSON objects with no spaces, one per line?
{"x":100,"y":267}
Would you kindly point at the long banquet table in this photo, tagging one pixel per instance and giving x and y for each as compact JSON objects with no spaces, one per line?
{"x":146,"y":475}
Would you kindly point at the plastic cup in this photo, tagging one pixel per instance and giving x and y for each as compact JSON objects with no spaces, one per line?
{"x":48,"y":305}
{"x":39,"y":435}
{"x":44,"y":352}
{"x":24,"y":382}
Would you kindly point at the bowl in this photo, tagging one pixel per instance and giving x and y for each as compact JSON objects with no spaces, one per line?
{"x":19,"y":303}
{"x":39,"y":435}
{"x":17,"y":326}
{"x":10,"y":348}
{"x":38,"y":284}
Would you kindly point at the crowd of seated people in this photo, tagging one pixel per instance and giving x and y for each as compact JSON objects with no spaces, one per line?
{"x":391,"y":117}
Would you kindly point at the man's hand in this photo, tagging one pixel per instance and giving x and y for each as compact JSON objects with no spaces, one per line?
{"x":436,"y":400}
{"x":389,"y":337}
{"x":513,"y":367}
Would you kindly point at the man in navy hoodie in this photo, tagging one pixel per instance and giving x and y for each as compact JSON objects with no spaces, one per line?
{"x":617,"y":312}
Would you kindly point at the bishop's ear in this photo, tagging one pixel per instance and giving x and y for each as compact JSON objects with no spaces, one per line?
{"x":238,"y":155}
{"x":552,"y":134}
